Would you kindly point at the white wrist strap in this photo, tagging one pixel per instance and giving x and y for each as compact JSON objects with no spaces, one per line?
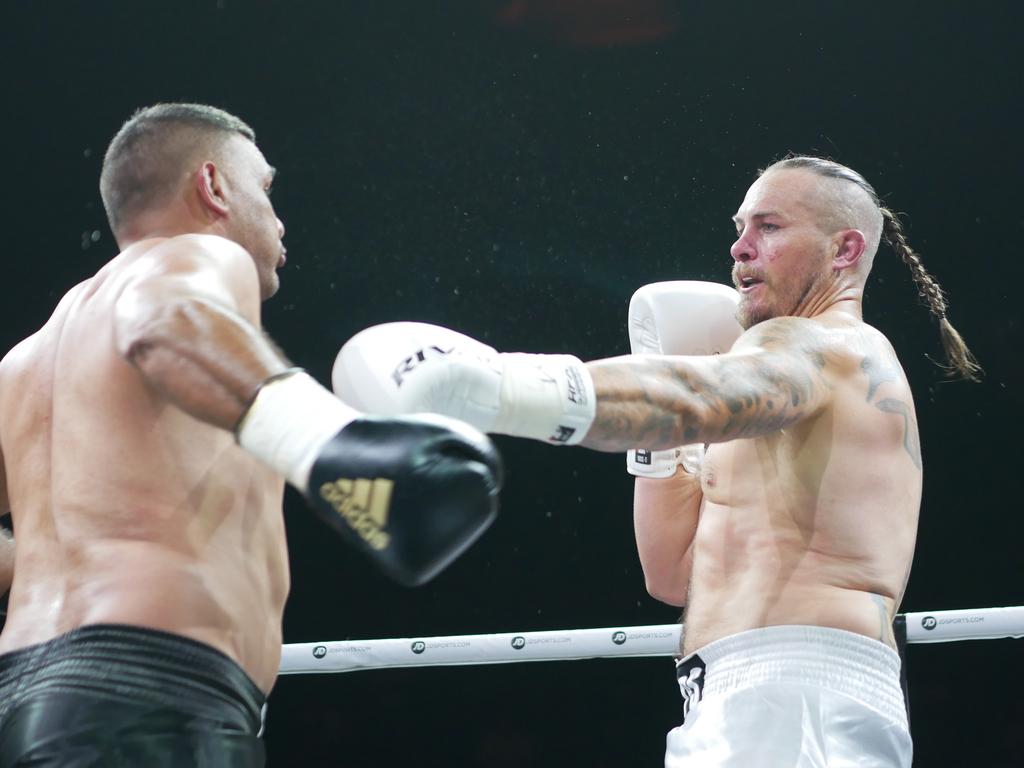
{"x":662,"y":464}
{"x":289,"y":422}
{"x":653,"y":464}
{"x":546,"y":397}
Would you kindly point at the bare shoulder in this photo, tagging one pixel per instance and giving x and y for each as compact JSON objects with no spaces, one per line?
{"x":14,"y":359}
{"x":197,"y":266}
{"x":876,"y":358}
{"x":201,"y":253}
{"x":855,"y":362}
{"x":19,"y":357}
{"x":836,"y":346}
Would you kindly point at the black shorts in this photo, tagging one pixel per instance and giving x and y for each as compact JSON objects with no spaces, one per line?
{"x":115,"y":695}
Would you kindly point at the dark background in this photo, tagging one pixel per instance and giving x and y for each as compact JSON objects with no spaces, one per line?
{"x":516,"y":170}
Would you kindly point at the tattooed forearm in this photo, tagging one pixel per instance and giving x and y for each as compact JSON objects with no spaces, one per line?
{"x":635,"y":408}
{"x":664,"y":402}
{"x":767,"y":399}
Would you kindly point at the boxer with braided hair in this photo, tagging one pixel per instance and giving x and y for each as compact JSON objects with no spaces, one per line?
{"x":960,"y":360}
{"x":779,"y":482}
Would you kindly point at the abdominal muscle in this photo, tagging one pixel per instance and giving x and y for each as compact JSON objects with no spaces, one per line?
{"x":749,"y":574}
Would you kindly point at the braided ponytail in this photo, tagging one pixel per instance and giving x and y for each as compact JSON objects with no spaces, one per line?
{"x":959,"y":358}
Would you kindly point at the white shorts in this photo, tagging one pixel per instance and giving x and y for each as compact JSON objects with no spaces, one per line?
{"x":791,"y":697}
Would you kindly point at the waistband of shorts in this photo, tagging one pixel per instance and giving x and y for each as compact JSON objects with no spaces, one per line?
{"x":834,"y":659}
{"x":138,"y":663}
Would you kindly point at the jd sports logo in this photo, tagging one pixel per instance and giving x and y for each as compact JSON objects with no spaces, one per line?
{"x":363,"y":504}
{"x":519,"y":642}
{"x":320,"y":651}
{"x":619,"y":638}
{"x":929,"y":622}
{"x":418,"y":646}
{"x":415,"y":359}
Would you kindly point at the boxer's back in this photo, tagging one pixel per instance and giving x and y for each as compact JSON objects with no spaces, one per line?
{"x":127,"y":510}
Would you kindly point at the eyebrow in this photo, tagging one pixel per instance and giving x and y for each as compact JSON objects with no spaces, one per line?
{"x":757,"y":215}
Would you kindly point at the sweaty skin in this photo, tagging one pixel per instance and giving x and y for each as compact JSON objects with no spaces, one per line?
{"x":126,"y":508}
{"x":806,"y":507}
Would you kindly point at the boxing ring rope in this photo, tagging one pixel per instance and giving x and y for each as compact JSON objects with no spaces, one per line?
{"x":604,"y":642}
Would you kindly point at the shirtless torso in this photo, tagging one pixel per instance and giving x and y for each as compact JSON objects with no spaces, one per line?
{"x":816,"y":523}
{"x":805,"y":510}
{"x":806,"y":504}
{"x":126,"y":509}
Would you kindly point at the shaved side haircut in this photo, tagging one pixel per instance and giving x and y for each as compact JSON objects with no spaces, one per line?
{"x":858,"y":206}
{"x":148,"y":158}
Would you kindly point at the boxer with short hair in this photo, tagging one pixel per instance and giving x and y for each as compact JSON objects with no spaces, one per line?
{"x":789,"y":539}
{"x":147,"y":430}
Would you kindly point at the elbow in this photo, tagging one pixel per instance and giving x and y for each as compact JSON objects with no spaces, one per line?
{"x":668,"y":591}
{"x":135,"y":344}
{"x":134,"y":348}
{"x":137,"y":326}
{"x":667,"y":579}
{"x":142,"y":328}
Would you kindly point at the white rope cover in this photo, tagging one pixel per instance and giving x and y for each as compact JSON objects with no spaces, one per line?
{"x":606,"y":642}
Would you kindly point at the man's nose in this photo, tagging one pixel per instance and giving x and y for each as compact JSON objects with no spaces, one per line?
{"x":741,"y":250}
{"x":280,"y":229}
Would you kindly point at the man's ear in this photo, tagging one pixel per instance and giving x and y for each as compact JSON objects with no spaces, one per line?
{"x":210,"y":186}
{"x":850,"y":246}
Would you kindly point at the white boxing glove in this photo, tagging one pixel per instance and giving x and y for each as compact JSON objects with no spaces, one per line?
{"x":399,"y":368}
{"x":679,"y":317}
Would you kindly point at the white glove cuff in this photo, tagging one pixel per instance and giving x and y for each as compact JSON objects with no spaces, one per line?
{"x":691,"y":457}
{"x":652,"y":464}
{"x":546,"y":397}
{"x":662,"y":464}
{"x":289,"y":422}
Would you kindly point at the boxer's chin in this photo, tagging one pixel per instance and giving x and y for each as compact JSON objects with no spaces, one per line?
{"x":269,"y":285}
{"x":748,"y":314}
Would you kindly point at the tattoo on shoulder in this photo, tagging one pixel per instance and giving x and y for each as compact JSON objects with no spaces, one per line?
{"x":878,"y":372}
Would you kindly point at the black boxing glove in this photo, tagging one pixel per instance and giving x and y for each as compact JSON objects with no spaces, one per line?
{"x":410,"y":492}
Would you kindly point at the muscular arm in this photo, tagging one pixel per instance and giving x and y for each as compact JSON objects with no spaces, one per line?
{"x":777,"y":374}
{"x":191,"y":328}
{"x":665,"y":516}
